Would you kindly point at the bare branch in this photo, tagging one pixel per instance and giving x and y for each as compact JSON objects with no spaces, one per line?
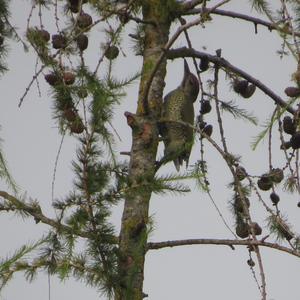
{"x":187,"y":52}
{"x":221,"y":242}
{"x":256,"y":21}
{"x":235,"y":15}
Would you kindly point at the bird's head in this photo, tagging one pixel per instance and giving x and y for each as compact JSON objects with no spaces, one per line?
{"x":190,"y":83}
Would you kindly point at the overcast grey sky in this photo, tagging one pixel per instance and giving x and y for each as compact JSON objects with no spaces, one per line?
{"x":31,"y":142}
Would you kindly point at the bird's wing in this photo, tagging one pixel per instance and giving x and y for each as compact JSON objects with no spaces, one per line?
{"x":172,"y":106}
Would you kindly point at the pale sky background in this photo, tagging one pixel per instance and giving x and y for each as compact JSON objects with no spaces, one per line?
{"x":31,"y":142}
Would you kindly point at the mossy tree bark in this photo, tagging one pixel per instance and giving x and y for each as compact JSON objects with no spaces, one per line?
{"x":133,"y":235}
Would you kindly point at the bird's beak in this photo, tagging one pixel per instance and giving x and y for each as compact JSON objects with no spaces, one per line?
{"x":186,"y":68}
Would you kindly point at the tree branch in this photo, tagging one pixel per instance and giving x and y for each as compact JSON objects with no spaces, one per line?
{"x":234,"y":15}
{"x":256,"y":21}
{"x":36,"y":212}
{"x":221,"y":242}
{"x":187,"y":52}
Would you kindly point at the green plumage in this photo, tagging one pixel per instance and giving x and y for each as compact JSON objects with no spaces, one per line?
{"x":178,"y":106}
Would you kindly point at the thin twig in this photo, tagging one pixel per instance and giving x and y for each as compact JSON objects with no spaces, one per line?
{"x":220,"y":214}
{"x":18,"y":37}
{"x":277,"y":216}
{"x":270,"y":140}
{"x":216,"y":97}
{"x":40,"y":16}
{"x":288,"y":159}
{"x":35,"y":76}
{"x":30,"y":15}
{"x":56,"y":16}
{"x":282,"y":31}
{"x":49,"y":286}
{"x":237,"y":183}
{"x":56,"y":164}
{"x":253,"y":272}
{"x":37,"y":80}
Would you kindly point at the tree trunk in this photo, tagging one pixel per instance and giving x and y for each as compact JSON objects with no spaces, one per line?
{"x":133,"y":235}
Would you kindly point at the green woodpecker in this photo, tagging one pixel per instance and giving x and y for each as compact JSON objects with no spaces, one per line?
{"x":178,"y":106}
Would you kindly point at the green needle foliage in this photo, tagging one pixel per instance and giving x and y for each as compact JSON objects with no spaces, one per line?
{"x":5,"y":174}
{"x":274,"y":118}
{"x":278,"y":225}
{"x":261,"y":136}
{"x":237,"y":112}
{"x":5,"y":33}
{"x":17,"y":261}
{"x":262,"y":6}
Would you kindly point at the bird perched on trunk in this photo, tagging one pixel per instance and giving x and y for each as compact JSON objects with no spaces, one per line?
{"x":178,"y":106}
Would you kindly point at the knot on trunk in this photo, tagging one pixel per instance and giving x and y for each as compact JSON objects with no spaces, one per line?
{"x":142,"y":128}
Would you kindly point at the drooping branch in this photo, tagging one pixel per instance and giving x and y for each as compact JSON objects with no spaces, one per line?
{"x":221,"y":242}
{"x":187,"y":52}
{"x":36,"y":212}
{"x":7,"y":270}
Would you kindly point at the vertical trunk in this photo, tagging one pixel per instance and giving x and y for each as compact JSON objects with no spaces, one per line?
{"x":133,"y":235}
